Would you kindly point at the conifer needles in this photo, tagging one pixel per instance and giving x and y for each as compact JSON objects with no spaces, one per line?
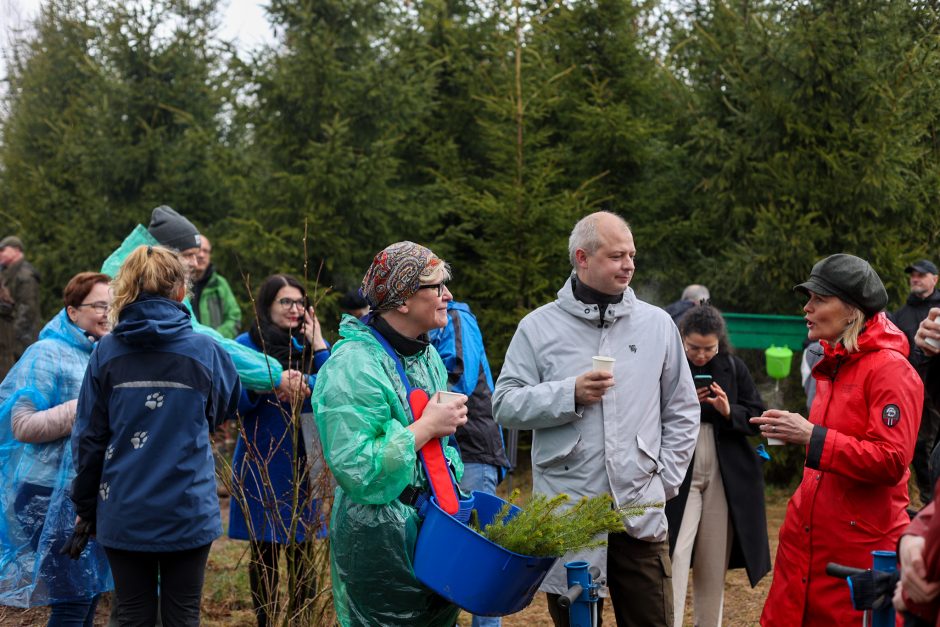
{"x":544,"y":529}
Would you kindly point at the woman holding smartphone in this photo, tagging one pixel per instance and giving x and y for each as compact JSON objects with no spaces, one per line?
{"x":719,"y":513}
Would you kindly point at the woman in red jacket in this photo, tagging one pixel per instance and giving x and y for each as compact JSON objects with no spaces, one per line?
{"x":860,"y":440}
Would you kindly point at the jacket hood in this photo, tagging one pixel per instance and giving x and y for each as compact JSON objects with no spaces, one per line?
{"x":151,"y":320}
{"x":62,"y":329}
{"x":576,"y":308}
{"x":879,"y":334}
{"x":916,"y":301}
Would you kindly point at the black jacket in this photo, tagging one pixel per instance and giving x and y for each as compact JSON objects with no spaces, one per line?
{"x":741,"y":472}
{"x":908,"y":319}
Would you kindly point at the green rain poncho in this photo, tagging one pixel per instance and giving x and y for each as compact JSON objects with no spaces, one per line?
{"x":257,"y":372}
{"x":359,"y":404}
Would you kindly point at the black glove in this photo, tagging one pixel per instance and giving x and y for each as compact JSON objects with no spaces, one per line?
{"x":74,"y":546}
{"x":872,"y":589}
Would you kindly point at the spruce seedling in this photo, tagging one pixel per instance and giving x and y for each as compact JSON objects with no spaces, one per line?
{"x":544,"y":529}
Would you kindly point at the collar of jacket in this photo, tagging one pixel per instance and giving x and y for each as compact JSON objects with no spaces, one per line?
{"x":916,"y":301}
{"x":201,"y":283}
{"x":587,"y":311}
{"x":403,"y":345}
{"x":63,"y":329}
{"x":879,"y":334}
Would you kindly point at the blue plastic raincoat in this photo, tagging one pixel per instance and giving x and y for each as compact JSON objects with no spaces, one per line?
{"x":255,"y":370}
{"x":36,"y":514}
{"x":360,"y":408}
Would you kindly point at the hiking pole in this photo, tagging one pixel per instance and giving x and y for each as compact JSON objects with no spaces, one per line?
{"x":584,"y":581}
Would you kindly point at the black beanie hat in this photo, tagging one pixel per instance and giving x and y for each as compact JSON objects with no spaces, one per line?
{"x":173,"y":230}
{"x":851,"y":279}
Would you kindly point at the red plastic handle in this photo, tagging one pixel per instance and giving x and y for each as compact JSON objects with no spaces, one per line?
{"x":435,"y":464}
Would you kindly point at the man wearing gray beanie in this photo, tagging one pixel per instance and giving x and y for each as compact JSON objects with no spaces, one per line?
{"x":174,"y":231}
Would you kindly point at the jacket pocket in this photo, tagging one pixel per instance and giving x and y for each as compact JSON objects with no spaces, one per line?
{"x":554,"y":445}
{"x":649,"y":459}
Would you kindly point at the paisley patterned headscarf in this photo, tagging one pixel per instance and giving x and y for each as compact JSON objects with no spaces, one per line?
{"x":396,"y":274}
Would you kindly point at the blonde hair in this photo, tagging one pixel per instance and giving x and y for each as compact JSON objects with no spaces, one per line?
{"x":849,"y":337}
{"x":148,"y":269}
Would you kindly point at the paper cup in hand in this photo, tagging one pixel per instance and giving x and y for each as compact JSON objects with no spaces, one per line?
{"x":775,"y":442}
{"x":446,"y":397}
{"x":603,"y":364}
{"x":929,"y":341}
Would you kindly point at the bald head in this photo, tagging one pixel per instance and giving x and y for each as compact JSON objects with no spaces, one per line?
{"x":589,"y":232}
{"x":602,"y":252}
{"x":695,"y":293}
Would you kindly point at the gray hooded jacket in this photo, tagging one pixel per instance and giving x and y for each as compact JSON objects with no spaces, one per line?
{"x":636,"y":444}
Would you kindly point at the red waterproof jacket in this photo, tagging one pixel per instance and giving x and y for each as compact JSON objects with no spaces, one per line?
{"x":853,"y":496}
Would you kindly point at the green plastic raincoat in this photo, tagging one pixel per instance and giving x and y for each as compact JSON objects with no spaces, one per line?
{"x":256,"y":371}
{"x":360,"y":409}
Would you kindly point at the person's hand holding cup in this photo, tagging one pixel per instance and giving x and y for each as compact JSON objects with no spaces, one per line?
{"x":447,"y":397}
{"x":590,"y":387}
{"x":926,"y":332}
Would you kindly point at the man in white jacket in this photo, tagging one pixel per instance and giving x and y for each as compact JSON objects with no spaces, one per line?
{"x":630,"y":433}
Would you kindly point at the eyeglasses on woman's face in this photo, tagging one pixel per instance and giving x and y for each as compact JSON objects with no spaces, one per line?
{"x":289,"y":303}
{"x":694,"y":349}
{"x":98,"y":306}
{"x":434,"y":286}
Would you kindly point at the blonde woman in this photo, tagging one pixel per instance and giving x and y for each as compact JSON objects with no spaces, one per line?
{"x":859,"y":443}
{"x":145,"y":480}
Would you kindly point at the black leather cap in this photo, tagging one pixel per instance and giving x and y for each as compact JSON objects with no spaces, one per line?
{"x":850,"y":278}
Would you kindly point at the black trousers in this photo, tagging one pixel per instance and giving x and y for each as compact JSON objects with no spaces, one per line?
{"x":263,"y":576}
{"x":179,"y":574}
{"x":639,"y":578}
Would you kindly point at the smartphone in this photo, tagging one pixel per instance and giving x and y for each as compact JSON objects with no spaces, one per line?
{"x":702,"y":380}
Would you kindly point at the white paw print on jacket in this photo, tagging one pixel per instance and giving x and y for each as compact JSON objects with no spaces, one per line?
{"x":139,"y":439}
{"x":154,"y":400}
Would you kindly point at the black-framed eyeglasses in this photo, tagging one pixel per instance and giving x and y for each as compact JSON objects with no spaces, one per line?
{"x":99,"y":306}
{"x":288,"y":303}
{"x":438,"y":286}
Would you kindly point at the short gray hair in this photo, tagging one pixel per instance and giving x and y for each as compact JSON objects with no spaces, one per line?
{"x":695,"y":293}
{"x":584,"y":235}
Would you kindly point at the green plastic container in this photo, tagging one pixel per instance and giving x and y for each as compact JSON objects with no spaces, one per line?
{"x":762,"y":330}
{"x":779,"y":359}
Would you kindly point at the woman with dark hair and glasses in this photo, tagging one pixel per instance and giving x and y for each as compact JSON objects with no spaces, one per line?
{"x":719,"y":514}
{"x":38,"y":400}
{"x":270,"y":459}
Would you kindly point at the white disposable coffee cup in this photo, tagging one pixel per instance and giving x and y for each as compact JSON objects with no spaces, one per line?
{"x":446,"y":397}
{"x":932,"y":342}
{"x":603,"y":364}
{"x":775,"y":442}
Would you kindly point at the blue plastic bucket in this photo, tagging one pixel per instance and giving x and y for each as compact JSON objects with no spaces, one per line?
{"x":470,"y":571}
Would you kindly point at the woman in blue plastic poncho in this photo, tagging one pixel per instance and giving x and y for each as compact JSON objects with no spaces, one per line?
{"x":371,"y":443}
{"x":37,"y":408}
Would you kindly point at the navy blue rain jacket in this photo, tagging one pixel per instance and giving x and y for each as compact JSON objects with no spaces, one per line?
{"x":153,"y":391}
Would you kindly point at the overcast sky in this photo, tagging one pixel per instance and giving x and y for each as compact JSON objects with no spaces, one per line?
{"x":243,"y":21}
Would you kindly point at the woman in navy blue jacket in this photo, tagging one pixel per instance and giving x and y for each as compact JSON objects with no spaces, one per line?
{"x":145,"y":481}
{"x":266,"y":508}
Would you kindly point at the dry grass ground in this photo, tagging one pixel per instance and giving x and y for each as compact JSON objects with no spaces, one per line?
{"x":226,"y":601}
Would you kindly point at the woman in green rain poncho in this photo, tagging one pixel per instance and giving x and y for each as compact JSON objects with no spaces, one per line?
{"x":370,"y":441}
